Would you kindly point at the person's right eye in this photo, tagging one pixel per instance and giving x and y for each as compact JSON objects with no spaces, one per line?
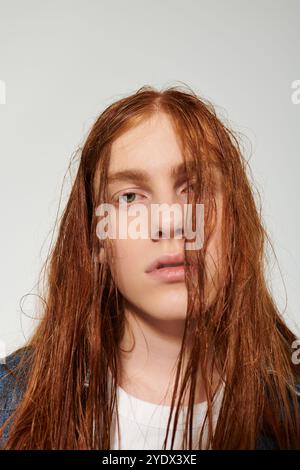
{"x":129,"y":197}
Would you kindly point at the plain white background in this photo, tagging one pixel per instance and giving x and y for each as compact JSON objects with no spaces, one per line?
{"x":64,"y":61}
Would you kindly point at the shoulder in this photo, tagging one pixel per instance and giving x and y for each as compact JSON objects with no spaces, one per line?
{"x":12,"y":378}
{"x":13,"y":373}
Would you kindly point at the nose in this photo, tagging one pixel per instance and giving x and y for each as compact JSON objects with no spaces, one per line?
{"x":166,"y":221}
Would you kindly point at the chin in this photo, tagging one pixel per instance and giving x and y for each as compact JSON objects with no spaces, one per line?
{"x":171,"y":305}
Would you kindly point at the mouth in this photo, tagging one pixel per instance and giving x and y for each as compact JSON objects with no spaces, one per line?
{"x":168,"y":268}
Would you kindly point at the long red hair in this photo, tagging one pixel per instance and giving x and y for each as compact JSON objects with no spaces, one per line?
{"x":83,"y":319}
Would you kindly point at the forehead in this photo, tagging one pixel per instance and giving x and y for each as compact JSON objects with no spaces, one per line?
{"x":148,"y":150}
{"x":152,"y":146}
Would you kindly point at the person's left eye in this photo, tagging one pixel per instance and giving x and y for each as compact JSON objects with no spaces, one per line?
{"x":190,"y":186}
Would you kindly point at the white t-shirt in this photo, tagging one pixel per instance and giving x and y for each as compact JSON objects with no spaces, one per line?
{"x":143,"y":424}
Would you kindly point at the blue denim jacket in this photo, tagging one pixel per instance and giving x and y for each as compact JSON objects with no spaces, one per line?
{"x":11,"y":394}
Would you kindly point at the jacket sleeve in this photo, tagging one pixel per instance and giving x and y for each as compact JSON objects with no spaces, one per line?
{"x":4,"y":415}
{"x":264,"y":442}
{"x":11,"y":391}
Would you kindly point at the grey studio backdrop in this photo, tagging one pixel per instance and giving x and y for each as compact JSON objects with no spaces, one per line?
{"x":62,"y":62}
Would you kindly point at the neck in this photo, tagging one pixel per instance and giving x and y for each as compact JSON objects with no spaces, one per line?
{"x":149,"y":351}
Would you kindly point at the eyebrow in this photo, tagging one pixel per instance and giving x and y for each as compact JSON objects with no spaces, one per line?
{"x":141,"y":176}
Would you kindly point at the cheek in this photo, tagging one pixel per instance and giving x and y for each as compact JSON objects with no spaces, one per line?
{"x":128,"y":260}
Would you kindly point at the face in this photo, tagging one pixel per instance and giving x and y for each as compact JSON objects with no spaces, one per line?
{"x":140,"y":172}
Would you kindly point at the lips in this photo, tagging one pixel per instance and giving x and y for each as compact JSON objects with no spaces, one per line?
{"x":166,"y":261}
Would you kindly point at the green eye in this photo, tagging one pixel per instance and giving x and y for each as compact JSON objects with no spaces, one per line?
{"x":129,"y":195}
